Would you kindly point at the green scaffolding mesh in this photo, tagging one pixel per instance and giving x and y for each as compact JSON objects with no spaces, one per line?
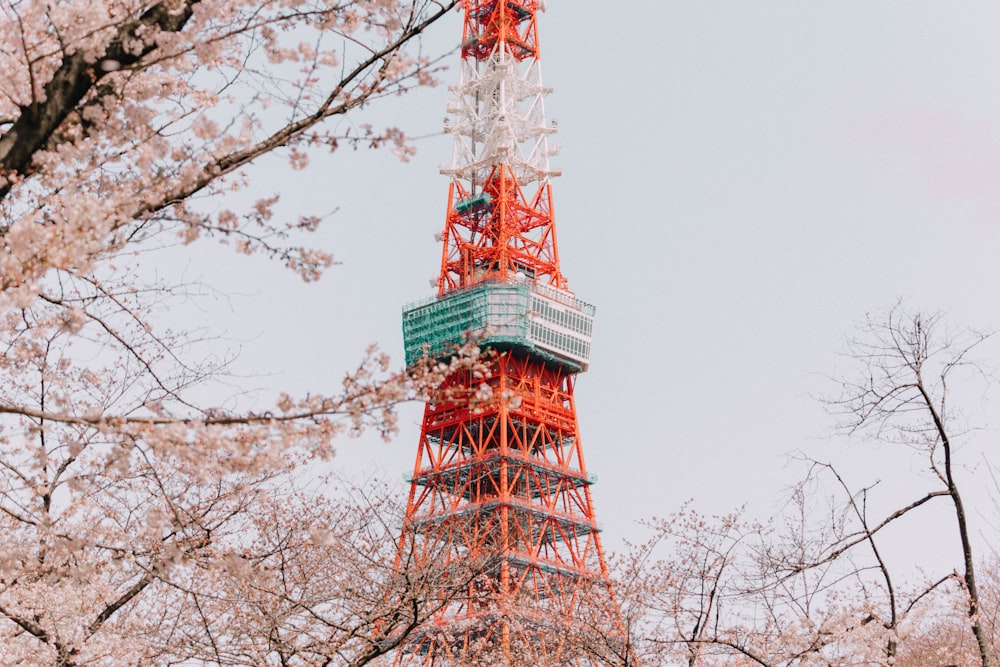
{"x":549,"y":323}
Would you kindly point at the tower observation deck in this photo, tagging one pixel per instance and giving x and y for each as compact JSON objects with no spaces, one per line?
{"x":505,"y":479}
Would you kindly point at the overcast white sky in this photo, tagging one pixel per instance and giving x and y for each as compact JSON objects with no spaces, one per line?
{"x":742,"y":181}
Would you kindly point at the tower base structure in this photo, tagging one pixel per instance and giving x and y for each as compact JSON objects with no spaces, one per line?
{"x":503,"y":484}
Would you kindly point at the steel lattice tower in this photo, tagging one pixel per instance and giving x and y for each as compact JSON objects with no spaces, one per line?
{"x":505,"y":477}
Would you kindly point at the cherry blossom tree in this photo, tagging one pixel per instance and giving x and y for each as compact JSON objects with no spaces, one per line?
{"x":143,"y":523}
{"x":816,"y":584}
{"x":909,"y":363}
{"x":116,"y":113}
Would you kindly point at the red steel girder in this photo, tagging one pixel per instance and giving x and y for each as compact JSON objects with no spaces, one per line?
{"x":504,"y":234}
{"x":500,"y":24}
{"x":506,"y":479}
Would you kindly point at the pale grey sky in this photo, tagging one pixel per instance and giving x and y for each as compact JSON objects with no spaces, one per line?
{"x":741,"y":183}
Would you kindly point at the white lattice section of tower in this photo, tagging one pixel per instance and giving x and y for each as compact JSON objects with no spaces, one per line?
{"x":498,"y":117}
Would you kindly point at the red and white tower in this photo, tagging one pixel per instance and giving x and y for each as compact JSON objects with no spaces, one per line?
{"x":505,"y":478}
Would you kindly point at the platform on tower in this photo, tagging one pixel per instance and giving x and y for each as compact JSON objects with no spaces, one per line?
{"x":549,"y":323}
